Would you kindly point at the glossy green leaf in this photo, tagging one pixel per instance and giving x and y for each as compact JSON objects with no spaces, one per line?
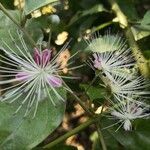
{"x":9,"y":31}
{"x":7,"y":26}
{"x":18,"y":132}
{"x":31,"y":5}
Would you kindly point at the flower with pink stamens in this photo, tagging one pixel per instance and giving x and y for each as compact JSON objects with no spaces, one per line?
{"x":36,"y":75}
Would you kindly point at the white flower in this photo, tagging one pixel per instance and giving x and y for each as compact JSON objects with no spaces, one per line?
{"x":106,"y":43}
{"x":113,"y":62}
{"x":111,"y":55}
{"x":125,"y":85}
{"x":127,"y":111}
{"x":35,"y":76}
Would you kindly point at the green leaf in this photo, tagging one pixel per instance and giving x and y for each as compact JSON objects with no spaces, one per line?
{"x":142,"y":30}
{"x":5,"y":21}
{"x":18,"y":132}
{"x":95,"y":9}
{"x":44,"y":22}
{"x":146,"y":19}
{"x":94,"y":93}
{"x":31,"y":5}
{"x":137,"y":139}
{"x":34,"y":30}
{"x":128,"y":7}
{"x":147,"y":54}
{"x":110,"y":142}
{"x":8,"y":4}
{"x":139,"y":33}
{"x":104,"y":43}
{"x":7,"y":27}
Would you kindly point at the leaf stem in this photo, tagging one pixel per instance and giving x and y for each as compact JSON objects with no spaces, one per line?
{"x":141,"y":61}
{"x":72,"y":132}
{"x":101,"y":26}
{"x":49,"y":38}
{"x":17,"y":24}
{"x":89,"y":112}
{"x":101,"y":138}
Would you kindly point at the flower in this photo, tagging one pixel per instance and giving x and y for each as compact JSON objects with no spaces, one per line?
{"x":108,"y":42}
{"x":36,"y":76}
{"x":113,"y":62}
{"x":110,"y":54}
{"x":40,"y":69}
{"x":125,"y":86}
{"x":127,"y":111}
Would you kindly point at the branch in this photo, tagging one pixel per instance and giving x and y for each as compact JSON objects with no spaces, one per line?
{"x":70,"y":133}
{"x":141,"y":61}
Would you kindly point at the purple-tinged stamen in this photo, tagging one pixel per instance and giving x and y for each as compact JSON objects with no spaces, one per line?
{"x":22,"y":76}
{"x":54,"y":81}
{"x":97,"y":62}
{"x":46,"y":56}
{"x":42,"y":59}
{"x":37,"y":56}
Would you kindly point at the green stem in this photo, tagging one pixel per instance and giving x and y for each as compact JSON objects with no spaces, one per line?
{"x":70,"y":133}
{"x":101,"y":26}
{"x":18,"y":25}
{"x":101,"y":138}
{"x":49,"y":39}
{"x":94,"y":79}
{"x":141,"y":61}
{"x":89,"y":112}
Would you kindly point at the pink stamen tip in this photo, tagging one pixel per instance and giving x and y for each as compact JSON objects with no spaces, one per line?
{"x":46,"y":56}
{"x":97,"y":64}
{"x":42,"y":58}
{"x":22,"y":76}
{"x":54,"y":81}
{"x":37,"y":56}
{"x":97,"y":61}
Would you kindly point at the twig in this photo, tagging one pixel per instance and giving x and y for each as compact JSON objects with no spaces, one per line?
{"x":101,"y":26}
{"x":70,"y":133}
{"x":101,"y":138}
{"x":89,"y":112}
{"x":141,"y":61}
